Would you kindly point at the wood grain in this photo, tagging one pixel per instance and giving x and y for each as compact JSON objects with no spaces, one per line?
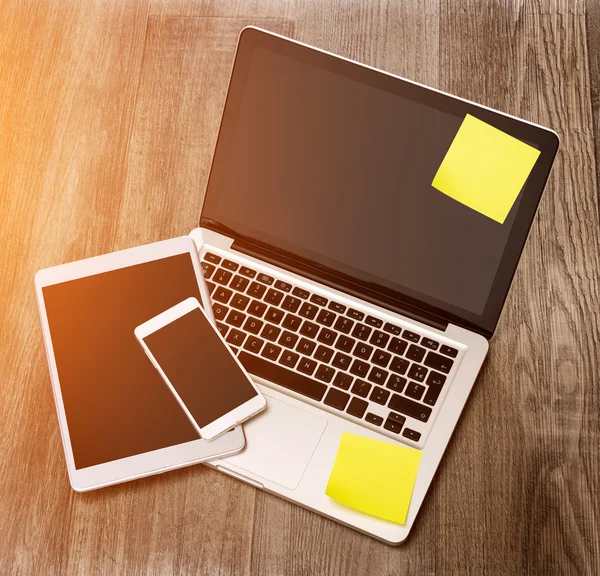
{"x":108,"y":117}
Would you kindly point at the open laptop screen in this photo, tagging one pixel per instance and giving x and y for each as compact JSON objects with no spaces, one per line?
{"x":332,"y":163}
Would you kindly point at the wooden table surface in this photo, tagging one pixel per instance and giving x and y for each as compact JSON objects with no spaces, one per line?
{"x":109,"y":112}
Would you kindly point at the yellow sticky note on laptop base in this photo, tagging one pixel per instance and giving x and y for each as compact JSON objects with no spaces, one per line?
{"x":374,"y":477}
{"x":485,"y":168}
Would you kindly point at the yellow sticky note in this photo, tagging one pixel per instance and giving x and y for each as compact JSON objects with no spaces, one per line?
{"x":485,"y":168}
{"x":374,"y":477}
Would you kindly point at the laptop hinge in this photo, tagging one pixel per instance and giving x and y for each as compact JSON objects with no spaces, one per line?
{"x":352,"y":289}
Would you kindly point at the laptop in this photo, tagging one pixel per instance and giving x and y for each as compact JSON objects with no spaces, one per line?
{"x":359,"y":297}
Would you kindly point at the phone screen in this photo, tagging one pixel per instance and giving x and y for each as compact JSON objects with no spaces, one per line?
{"x":200,"y":367}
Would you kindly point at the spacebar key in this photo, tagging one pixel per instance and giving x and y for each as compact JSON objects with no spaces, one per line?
{"x":282,"y":376}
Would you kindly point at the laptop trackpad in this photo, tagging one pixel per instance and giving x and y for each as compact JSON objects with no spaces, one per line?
{"x":279,"y":443}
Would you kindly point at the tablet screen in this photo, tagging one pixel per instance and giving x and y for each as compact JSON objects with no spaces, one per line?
{"x":116,"y":403}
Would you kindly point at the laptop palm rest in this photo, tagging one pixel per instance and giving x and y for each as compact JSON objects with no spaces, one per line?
{"x":279,"y":443}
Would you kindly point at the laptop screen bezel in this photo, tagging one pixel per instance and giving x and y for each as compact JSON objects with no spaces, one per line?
{"x":544,"y":139}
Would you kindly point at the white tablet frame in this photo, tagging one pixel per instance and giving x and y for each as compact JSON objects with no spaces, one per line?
{"x":230,"y":419}
{"x":156,"y":461}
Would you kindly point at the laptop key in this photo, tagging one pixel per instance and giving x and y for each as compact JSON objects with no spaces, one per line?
{"x":357,"y":407}
{"x":247,"y":272}
{"x":207,"y":270}
{"x":235,"y":337}
{"x":396,"y":383}
{"x":337,"y":307}
{"x":359,"y":368}
{"x":292,"y":322}
{"x":436,"y":379}
{"x":274,"y":315}
{"x":363,"y":351}
{"x":306,"y":366}
{"x":271,"y":351}
{"x":415,"y":353}
{"x":342,"y":361}
{"x":372,"y":321}
{"x":211,"y":286}
{"x":256,"y":308}
{"x":411,"y":434}
{"x":397,"y":418}
{"x":288,"y":339}
{"x":336,"y":398}
{"x":319,"y":300}
{"x":432,"y":395}
{"x":230,"y":265}
{"x":397,"y":346}
{"x":309,"y":329}
{"x":379,"y":338}
{"x":327,"y":336}
{"x":253,"y":325}
{"x":374,"y":419}
{"x":355,"y":314}
{"x":280,"y":375}
{"x":344,"y":324}
{"x":361,"y":332}
{"x":342,"y":380}
{"x":265,"y":278}
{"x":222,"y":295}
{"x":448,"y":351}
{"x":223,"y":329}
{"x":361,"y":388}
{"x":414,"y":390}
{"x":256,"y":290}
{"x":274,"y":297}
{"x":324,"y":373}
{"x":222,"y":277}
{"x":301,"y":293}
{"x":377,"y":375}
{"x":239,"y":301}
{"x":381,"y":358}
{"x":220,"y":311}
{"x":308,"y":310}
{"x":399,"y":365}
{"x":212,"y":257}
{"x":235,"y":318}
{"x":379,"y":395}
{"x":283,"y":286}
{"x":417,"y":372}
{"x":345,"y":343}
{"x":306,"y":346}
{"x":395,"y":330}
{"x":239,"y":283}
{"x":438,"y":362}
{"x":290,"y":303}
{"x":408,"y":335}
{"x":270,"y":332}
{"x":429,"y":343}
{"x":392,"y":426}
{"x":410,"y":408}
{"x":289,"y":359}
{"x":253,"y":344}
{"x":326,"y":317}
{"x":323,"y":354}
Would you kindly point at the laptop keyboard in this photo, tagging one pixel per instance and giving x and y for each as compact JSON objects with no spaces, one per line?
{"x":357,"y":365}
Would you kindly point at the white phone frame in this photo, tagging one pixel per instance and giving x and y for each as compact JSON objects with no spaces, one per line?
{"x":139,"y":465}
{"x":236,"y":416}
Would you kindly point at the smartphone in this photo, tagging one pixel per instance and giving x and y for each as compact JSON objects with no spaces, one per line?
{"x":206,"y":378}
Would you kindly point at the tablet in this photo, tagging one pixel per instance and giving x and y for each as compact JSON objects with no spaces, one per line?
{"x":118,"y":420}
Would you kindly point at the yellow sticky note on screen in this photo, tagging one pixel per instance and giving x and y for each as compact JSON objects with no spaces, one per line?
{"x":374,"y":477}
{"x":485,"y":168}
